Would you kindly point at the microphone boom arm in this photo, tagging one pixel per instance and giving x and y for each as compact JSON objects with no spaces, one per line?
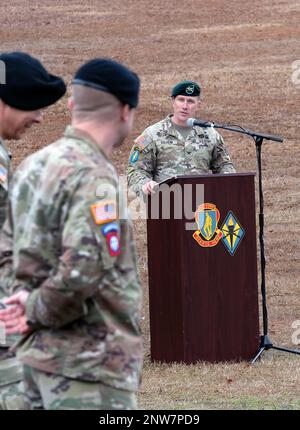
{"x":245,"y":131}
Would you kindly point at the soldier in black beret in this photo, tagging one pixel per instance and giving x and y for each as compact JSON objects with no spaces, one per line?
{"x":85,"y":301}
{"x":26,"y":87}
{"x":171,"y":147}
{"x":107,"y":75}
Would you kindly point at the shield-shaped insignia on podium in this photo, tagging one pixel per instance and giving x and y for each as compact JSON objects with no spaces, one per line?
{"x":207,"y":217}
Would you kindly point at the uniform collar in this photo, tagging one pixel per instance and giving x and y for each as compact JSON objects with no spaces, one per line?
{"x":171,"y":130}
{"x":5,"y":148}
{"x":74,"y":133}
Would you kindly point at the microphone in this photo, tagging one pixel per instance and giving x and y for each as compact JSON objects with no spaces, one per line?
{"x":193,"y":121}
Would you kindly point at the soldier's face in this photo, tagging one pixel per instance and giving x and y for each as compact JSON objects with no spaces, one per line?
{"x":127,"y":116}
{"x":15,"y":122}
{"x":184,"y":107}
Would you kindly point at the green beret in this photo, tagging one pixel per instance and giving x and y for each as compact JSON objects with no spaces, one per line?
{"x":28,"y":86}
{"x":110,"y":76}
{"x":186,"y":88}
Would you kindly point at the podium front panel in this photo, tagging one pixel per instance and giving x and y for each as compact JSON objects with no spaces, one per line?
{"x":204,"y":299}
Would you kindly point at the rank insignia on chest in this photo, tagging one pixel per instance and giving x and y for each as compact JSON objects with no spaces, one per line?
{"x":104,"y":212}
{"x":112,"y":236}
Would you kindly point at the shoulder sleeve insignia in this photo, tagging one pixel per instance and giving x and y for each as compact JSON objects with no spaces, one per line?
{"x":135,"y":155}
{"x":112,"y":236}
{"x":3,"y":175}
{"x":104,"y":212}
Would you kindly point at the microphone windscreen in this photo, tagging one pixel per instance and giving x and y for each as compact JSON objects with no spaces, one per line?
{"x":190,"y":122}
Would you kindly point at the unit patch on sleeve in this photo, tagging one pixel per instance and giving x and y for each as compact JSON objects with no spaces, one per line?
{"x":111,"y":233}
{"x":134,"y":156}
{"x":3,"y":176}
{"x":104,"y":212}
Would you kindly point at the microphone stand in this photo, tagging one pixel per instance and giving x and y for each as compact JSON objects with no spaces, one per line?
{"x":265,"y":342}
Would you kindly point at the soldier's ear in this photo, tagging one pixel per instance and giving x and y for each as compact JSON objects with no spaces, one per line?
{"x":70,"y":103}
{"x":1,"y":104}
{"x":125,"y":112}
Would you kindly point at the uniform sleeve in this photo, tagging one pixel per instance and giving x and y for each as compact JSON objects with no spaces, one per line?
{"x":6,"y":266}
{"x":4,"y":176}
{"x":90,"y":245}
{"x":141,"y":165}
{"x":3,"y":205}
{"x":221,"y":162}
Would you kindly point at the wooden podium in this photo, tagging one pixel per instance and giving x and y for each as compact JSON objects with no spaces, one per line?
{"x":203,"y":296}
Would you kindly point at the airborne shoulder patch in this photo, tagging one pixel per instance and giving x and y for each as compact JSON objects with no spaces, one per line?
{"x":111,"y":233}
{"x":104,"y":212}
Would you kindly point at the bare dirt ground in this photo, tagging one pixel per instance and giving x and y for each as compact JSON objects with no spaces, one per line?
{"x":243,"y":55}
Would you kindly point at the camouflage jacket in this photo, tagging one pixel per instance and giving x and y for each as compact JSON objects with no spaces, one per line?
{"x":4,"y":179}
{"x":6,"y":266}
{"x":77,"y":258}
{"x":161,"y":152}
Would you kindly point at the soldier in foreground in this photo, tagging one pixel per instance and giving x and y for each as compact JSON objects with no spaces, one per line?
{"x":27,"y":88}
{"x":78,"y":293}
{"x":170,"y":147}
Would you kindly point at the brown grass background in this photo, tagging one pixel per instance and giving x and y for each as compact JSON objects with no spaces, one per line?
{"x":242,"y":54}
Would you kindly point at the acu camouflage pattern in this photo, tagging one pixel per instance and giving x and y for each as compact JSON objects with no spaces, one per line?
{"x":85,"y":304}
{"x":6,"y":264}
{"x":54,"y":392}
{"x":165,"y":153}
{"x":12,"y":397}
{"x":11,"y":373}
{"x":4,"y":162}
{"x":11,"y":370}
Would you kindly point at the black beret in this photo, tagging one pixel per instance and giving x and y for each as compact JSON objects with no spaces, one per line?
{"x":186,"y":88}
{"x":28,"y":86}
{"x":112,"y":77}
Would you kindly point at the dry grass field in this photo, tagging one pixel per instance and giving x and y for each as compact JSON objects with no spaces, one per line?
{"x":243,"y":54}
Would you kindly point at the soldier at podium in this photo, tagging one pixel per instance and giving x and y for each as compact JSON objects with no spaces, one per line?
{"x":170,"y":147}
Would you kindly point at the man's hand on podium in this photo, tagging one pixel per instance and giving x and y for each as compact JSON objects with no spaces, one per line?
{"x":148,"y":187}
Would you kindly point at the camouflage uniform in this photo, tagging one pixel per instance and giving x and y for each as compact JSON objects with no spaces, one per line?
{"x":59,"y":393}
{"x":11,"y":374}
{"x":161,"y":152}
{"x":4,"y":179}
{"x":10,"y":367}
{"x":85,"y":301}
